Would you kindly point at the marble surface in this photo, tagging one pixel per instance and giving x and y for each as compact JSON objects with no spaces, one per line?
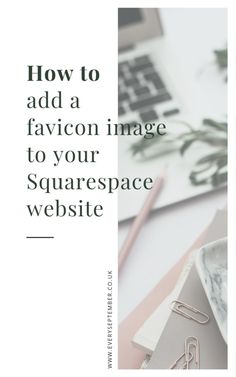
{"x":211,"y":262}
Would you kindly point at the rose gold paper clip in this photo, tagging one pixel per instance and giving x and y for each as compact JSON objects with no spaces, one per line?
{"x":192,"y":342}
{"x":187,"y":311}
{"x":186,"y":361}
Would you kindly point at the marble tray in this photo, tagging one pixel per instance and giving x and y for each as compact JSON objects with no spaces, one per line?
{"x":211,"y":263}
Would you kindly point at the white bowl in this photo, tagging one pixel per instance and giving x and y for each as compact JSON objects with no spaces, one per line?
{"x":211,"y":263}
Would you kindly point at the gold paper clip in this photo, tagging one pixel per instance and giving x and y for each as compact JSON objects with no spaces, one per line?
{"x":177,"y":307}
{"x":192,"y":342}
{"x":180,"y":358}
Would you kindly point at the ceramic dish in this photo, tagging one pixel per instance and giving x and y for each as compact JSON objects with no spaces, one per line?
{"x":211,"y":263}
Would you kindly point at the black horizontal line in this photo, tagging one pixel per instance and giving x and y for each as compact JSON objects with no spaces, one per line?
{"x":39,"y":236}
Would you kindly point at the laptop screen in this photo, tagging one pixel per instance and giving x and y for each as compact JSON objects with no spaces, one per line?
{"x":137,"y":24}
{"x":128,"y":16}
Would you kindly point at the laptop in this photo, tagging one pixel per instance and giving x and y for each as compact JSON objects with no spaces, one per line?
{"x":154,"y":86}
{"x":145,"y":92}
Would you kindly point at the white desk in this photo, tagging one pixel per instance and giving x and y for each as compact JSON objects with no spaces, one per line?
{"x":169,"y":232}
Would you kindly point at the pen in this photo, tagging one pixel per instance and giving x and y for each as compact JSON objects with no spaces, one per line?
{"x":139,"y":220}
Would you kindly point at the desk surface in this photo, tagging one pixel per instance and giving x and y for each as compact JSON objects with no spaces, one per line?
{"x":169,"y":232}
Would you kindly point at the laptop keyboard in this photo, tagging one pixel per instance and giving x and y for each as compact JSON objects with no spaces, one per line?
{"x":141,"y":90}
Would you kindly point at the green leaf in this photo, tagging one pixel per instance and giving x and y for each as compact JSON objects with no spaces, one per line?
{"x":220,"y":126}
{"x":195,"y":181}
{"x":218,"y":179}
{"x":217,"y":157}
{"x":222,"y":161}
{"x":186,"y":144}
{"x":221,"y":58}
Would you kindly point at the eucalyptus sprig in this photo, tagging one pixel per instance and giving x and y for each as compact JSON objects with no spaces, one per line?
{"x":210,"y":168}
